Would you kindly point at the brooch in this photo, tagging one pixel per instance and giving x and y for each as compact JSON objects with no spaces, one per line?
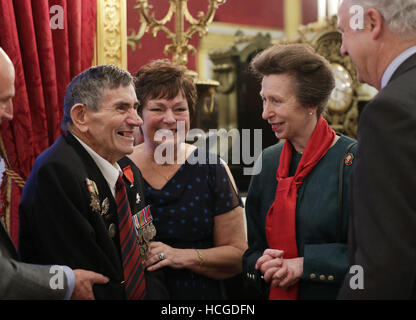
{"x":348,"y":159}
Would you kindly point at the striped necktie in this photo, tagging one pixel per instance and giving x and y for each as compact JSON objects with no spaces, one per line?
{"x":133,"y":269}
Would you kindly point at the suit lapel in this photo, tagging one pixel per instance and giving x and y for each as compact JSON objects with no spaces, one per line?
{"x":104,"y":192}
{"x":135,"y":189}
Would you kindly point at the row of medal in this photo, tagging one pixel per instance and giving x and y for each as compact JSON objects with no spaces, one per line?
{"x":143,"y":220}
{"x":145,"y":229}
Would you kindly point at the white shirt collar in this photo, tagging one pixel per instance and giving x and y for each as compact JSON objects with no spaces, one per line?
{"x":109,"y":171}
{"x":395,"y":64}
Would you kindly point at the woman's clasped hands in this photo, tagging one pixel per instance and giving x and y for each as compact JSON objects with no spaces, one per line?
{"x":277,"y":271}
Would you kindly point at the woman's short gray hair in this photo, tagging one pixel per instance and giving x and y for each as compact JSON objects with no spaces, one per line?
{"x":399,"y":15}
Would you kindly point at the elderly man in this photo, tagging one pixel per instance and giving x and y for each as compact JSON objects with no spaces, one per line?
{"x":74,"y":208}
{"x":24,"y":281}
{"x":383,"y":218}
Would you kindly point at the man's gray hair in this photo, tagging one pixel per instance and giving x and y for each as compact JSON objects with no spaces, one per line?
{"x":88,"y":88}
{"x":399,"y":15}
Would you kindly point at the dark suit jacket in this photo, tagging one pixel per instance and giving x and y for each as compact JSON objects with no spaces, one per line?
{"x":23,"y":281}
{"x":58,"y":224}
{"x":382,"y":235}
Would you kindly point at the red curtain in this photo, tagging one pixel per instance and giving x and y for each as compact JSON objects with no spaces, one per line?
{"x":49,"y":43}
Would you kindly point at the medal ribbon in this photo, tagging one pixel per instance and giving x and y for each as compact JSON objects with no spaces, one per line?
{"x":142,"y":218}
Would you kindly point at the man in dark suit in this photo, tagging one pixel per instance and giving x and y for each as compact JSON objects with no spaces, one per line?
{"x":380,"y":38}
{"x":68,"y":211}
{"x":25,"y":281}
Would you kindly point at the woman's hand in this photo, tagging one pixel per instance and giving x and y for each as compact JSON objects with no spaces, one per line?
{"x":172,"y":257}
{"x":269,"y":263}
{"x":280,"y":272}
{"x":289,"y":273}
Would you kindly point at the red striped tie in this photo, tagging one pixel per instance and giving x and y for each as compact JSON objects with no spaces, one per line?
{"x":135,"y":283}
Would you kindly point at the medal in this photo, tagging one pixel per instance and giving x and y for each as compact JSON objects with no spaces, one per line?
{"x":104,"y":207}
{"x":143,"y":248}
{"x":146,"y":235}
{"x":145,"y":229}
{"x":112,"y":230}
{"x":152,"y":230}
{"x":95,"y":203}
{"x":128,"y":173}
{"x":95,"y":200}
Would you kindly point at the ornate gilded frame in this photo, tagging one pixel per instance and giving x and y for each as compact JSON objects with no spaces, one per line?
{"x":111,"y":36}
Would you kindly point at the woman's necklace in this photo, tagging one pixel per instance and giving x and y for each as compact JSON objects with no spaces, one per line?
{"x":157,"y":171}
{"x":156,"y":168}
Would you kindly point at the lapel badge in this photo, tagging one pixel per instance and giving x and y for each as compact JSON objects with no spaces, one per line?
{"x":348,"y":159}
{"x":138,"y":198}
{"x":128,"y":173}
{"x":95,"y":201}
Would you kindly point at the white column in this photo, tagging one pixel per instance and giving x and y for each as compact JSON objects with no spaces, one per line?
{"x":333,"y":7}
{"x":321,"y":9}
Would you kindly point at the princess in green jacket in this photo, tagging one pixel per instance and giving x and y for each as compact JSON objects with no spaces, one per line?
{"x":297,"y":206}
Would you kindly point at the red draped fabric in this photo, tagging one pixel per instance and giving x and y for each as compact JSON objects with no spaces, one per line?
{"x":46,"y":57}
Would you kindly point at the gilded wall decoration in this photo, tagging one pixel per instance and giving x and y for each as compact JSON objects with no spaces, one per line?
{"x":111,"y":44}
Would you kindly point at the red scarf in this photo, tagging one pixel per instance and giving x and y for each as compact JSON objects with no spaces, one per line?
{"x":280,"y":222}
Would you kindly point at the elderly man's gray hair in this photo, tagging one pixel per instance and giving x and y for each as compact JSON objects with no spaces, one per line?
{"x":88,"y":88}
{"x":399,"y":15}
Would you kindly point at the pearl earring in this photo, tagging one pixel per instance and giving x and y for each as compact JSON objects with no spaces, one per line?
{"x":310,"y":113}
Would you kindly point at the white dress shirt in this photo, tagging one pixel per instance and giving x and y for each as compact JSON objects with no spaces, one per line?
{"x":109,"y":171}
